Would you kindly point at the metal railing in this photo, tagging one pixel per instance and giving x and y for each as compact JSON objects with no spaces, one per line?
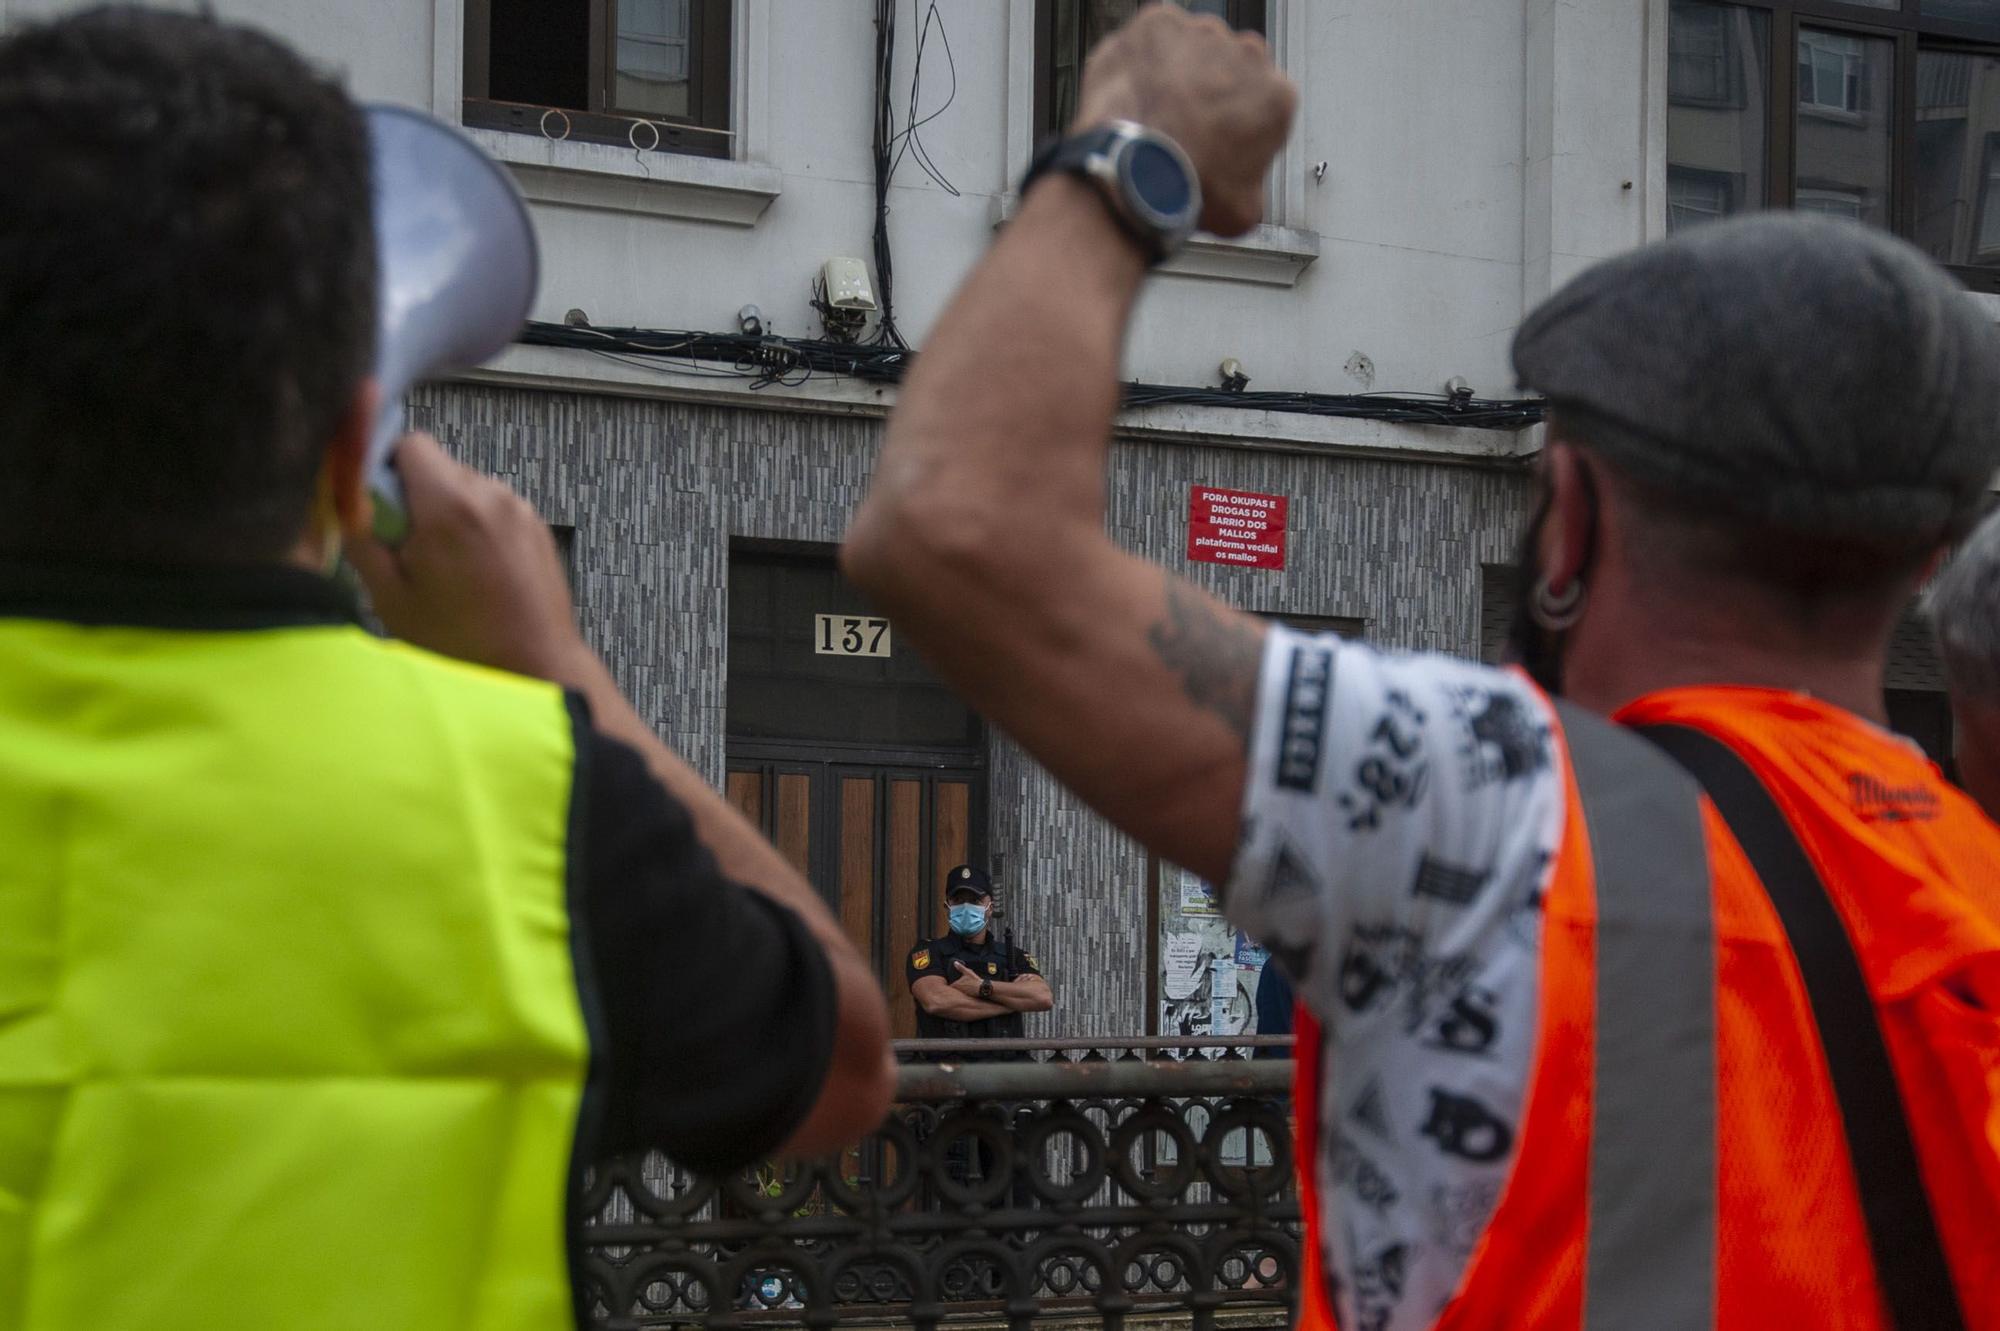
{"x":1102,"y":1180}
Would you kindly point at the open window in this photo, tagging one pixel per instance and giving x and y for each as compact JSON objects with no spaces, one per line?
{"x":1066,"y":30}
{"x":648,"y":74}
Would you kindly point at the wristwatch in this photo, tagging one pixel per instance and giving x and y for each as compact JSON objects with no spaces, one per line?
{"x":986,"y":990}
{"x":1144,"y":176}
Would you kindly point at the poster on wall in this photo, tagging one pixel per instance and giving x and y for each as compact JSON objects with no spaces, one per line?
{"x":1208,"y":970}
{"x":1197,"y":895}
{"x":1239,"y":527}
{"x":1180,"y":959}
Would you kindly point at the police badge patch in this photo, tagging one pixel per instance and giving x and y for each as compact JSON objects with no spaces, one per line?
{"x":922,"y":961}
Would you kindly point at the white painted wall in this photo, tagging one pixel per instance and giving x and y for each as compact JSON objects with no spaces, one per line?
{"x":1478,"y":151}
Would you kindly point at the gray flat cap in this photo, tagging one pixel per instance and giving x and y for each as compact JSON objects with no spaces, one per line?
{"x":1811,"y":374}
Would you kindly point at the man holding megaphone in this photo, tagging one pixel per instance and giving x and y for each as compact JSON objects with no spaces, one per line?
{"x":326,"y":963}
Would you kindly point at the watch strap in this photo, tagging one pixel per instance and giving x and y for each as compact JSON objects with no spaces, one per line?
{"x":1072,"y":155}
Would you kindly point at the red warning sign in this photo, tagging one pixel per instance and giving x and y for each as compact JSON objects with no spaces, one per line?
{"x":1236,"y":527}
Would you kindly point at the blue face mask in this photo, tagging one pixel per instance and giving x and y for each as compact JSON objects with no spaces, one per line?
{"x":967,"y":920}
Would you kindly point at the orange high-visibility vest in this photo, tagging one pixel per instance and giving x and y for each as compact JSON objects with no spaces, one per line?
{"x":1913,"y":868}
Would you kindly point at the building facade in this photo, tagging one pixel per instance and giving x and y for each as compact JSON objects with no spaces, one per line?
{"x":1453,"y":164}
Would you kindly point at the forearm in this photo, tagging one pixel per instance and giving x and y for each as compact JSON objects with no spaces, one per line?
{"x":983,"y":538}
{"x":1003,"y":428}
{"x":1023,"y":995}
{"x":862,"y":1068}
{"x":740,"y":850}
{"x":955,"y":1006}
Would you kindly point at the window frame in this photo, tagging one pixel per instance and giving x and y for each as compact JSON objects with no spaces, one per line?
{"x":1731,"y":97}
{"x":1911,"y":33}
{"x":706,"y":132}
{"x":1722,"y":180}
{"x":1253,"y":15}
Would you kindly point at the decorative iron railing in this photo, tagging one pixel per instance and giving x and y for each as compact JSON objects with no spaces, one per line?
{"x":1102,"y":1180}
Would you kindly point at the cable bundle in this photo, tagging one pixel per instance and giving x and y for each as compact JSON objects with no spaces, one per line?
{"x":794,"y":361}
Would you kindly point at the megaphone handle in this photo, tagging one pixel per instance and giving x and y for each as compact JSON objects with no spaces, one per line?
{"x":385,"y":487}
{"x":392,"y":510}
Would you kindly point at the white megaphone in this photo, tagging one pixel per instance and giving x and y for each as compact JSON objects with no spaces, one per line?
{"x":458,"y":263}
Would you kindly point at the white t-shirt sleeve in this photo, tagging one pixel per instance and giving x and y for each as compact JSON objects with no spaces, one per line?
{"x":1399,"y":821}
{"x":1387,"y":792}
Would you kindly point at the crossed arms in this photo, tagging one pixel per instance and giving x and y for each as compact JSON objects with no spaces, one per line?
{"x":958,"y":999}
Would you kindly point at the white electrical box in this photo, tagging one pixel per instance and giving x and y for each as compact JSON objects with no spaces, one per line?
{"x":847,"y":286}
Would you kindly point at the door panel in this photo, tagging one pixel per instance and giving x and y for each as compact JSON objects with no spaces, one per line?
{"x":952,"y":837}
{"x":746,"y":792}
{"x":857,"y":862}
{"x":793,"y":833}
{"x":903,"y":897}
{"x":874,"y":839}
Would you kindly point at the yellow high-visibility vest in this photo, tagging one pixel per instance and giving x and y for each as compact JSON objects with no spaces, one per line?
{"x":290,"y":1034}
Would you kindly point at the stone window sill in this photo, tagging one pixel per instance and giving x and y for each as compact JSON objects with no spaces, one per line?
{"x":621,"y":180}
{"x":1267,"y":256}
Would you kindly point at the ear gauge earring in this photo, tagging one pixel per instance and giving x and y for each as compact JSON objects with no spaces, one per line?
{"x":1556,"y":611}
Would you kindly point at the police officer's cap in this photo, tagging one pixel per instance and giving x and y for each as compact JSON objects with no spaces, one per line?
{"x":966,"y":881}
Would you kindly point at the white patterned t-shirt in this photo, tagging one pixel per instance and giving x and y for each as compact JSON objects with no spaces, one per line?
{"x":1400,"y":819}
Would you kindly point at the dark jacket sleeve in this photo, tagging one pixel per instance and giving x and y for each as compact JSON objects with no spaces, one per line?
{"x":923,"y":962}
{"x":715,"y":1005}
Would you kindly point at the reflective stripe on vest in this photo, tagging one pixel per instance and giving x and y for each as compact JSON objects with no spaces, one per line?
{"x":290,"y":1033}
{"x":1651,"y":1254}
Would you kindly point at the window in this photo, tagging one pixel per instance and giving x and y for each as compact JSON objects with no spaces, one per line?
{"x":1884,"y":112}
{"x":1696,"y":196}
{"x":1065,"y":30}
{"x":649,"y":74}
{"x":1718,"y":110}
{"x":1956,"y":164}
{"x":1833,"y":72}
{"x":1702,"y":64}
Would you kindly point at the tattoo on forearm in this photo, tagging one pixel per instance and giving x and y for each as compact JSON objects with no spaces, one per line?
{"x":1215,"y":655}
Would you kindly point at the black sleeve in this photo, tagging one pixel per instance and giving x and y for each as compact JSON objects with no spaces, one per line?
{"x":1023,"y":963}
{"x":715,"y":1012}
{"x":923,"y":961}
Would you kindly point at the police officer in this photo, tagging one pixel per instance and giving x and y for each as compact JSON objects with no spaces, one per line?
{"x":969,"y":983}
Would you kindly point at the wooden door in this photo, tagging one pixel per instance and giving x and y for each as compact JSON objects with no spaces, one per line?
{"x":876,"y":840}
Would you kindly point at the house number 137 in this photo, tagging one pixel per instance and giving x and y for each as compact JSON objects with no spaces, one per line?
{"x":850,"y":635}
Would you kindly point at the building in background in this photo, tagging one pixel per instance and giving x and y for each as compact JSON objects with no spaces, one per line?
{"x":1454,"y":163}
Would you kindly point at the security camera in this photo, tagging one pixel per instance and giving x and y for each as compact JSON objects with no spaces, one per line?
{"x":751,"y":320}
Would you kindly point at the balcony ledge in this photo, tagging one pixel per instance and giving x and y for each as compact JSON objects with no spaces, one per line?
{"x":599,"y":176}
{"x":1267,"y":256}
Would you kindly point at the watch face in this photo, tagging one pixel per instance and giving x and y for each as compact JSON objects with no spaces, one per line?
{"x":1158,"y":180}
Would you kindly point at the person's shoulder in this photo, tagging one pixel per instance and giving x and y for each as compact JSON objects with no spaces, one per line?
{"x":927,"y":955}
{"x":391,"y":656}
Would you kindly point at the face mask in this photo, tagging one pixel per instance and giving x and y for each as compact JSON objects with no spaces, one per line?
{"x":967,"y":920}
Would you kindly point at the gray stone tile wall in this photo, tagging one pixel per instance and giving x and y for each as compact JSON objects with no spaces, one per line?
{"x":656,"y":491}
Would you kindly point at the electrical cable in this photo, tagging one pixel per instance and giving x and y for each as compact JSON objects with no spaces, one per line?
{"x":911,"y":136}
{"x":769,"y":360}
{"x":886,"y":332}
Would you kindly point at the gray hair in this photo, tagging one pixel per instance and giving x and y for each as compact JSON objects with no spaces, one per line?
{"x":1965,"y":614}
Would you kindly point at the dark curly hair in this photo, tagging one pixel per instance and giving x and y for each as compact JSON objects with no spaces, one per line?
{"x":187,"y":287}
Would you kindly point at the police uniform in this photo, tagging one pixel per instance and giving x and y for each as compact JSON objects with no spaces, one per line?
{"x":992,"y":960}
{"x":995,"y":959}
